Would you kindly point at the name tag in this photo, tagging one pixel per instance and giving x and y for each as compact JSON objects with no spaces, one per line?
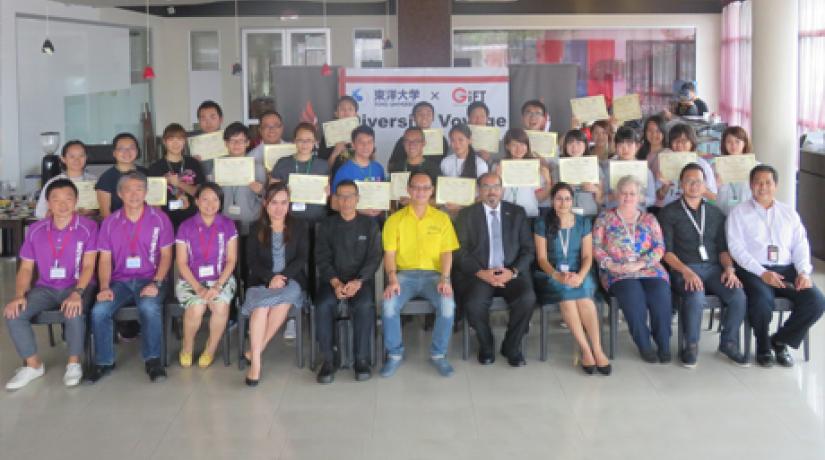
{"x":235,"y":210}
{"x":632,"y":259}
{"x":133,"y":262}
{"x":175,"y":205}
{"x":564,"y":268}
{"x":773,"y":253}
{"x":578,"y":211}
{"x":206,"y":270}
{"x":703,"y":253}
{"x":299,"y":207}
{"x":57,"y":273}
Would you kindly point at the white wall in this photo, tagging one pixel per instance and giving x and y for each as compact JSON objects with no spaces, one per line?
{"x":708,"y":36}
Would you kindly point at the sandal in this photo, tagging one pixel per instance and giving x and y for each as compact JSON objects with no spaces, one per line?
{"x":185,"y":359}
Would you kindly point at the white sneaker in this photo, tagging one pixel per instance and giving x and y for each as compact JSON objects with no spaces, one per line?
{"x":289,"y":330}
{"x":74,"y":372}
{"x":23,"y":376}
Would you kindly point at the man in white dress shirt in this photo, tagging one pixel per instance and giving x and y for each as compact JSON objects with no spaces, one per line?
{"x":770,"y":246}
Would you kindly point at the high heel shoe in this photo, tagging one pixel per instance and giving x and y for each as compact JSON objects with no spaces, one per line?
{"x":589,"y":369}
{"x":604,"y":370}
{"x":252,"y":383}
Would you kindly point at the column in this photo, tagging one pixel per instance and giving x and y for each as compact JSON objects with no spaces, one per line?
{"x":424,"y":33}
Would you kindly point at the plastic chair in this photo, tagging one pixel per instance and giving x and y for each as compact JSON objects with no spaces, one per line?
{"x":781,"y":305}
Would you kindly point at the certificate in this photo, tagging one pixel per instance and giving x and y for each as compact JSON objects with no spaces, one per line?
{"x":398,"y":181}
{"x":621,"y":168}
{"x":485,"y":137}
{"x":433,"y":142}
{"x":340,"y":130}
{"x":86,"y":195}
{"x":234,"y":170}
{"x":627,"y":108}
{"x":208,"y":146}
{"x":578,"y":170}
{"x":308,"y":188}
{"x":273,"y":153}
{"x":543,"y":143}
{"x":520,"y":173}
{"x":456,"y":190}
{"x":156,"y":191}
{"x":373,"y":195}
{"x":735,"y":168}
{"x":671,"y":164}
{"x":590,"y":108}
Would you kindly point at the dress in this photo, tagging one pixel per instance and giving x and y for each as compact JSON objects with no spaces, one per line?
{"x":550,"y":290}
{"x":262,"y":296}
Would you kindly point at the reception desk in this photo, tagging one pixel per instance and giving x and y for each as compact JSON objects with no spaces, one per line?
{"x":810,"y":202}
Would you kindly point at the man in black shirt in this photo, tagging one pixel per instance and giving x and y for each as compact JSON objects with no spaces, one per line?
{"x":347,"y":254}
{"x":423,"y":115}
{"x":414,"y":160}
{"x":689,"y":104}
{"x":697,"y":254}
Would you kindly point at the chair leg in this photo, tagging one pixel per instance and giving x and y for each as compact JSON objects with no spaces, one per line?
{"x":227,"y":337}
{"x":51,"y":335}
{"x":710,"y":319}
{"x":746,"y":325}
{"x":613,"y":317}
{"x":806,"y":346}
{"x":299,"y":339}
{"x":241,"y":340}
{"x":543,"y":334}
{"x":465,"y":339}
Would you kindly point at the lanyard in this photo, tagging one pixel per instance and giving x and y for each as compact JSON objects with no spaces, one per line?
{"x":564,"y":240}
{"x":57,"y":253}
{"x":309,"y":164}
{"x":205,"y":245}
{"x":136,"y":234}
{"x":631,"y":234}
{"x":699,"y":228}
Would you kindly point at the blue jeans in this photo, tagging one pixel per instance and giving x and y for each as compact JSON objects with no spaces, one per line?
{"x":637,"y":297}
{"x":151,"y":320}
{"x":693,"y":303}
{"x":418,"y":283}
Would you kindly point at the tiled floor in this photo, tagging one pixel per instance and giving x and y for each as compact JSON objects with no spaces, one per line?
{"x":545,"y":410}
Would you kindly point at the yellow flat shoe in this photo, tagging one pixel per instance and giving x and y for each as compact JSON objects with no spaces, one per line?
{"x":185,"y":359}
{"x":205,"y":360}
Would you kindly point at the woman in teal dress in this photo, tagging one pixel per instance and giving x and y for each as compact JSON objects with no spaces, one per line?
{"x":564,"y":251}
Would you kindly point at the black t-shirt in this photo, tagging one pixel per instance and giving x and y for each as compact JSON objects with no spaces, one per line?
{"x":108,"y":183}
{"x":399,"y":156}
{"x":190,"y":172}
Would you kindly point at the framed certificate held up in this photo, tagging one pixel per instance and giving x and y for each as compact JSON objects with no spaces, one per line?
{"x":399,"y":182}
{"x":735,"y":168}
{"x":579,"y":170}
{"x":156,"y":191}
{"x":373,"y":195}
{"x":543,"y":143}
{"x":671,"y":164}
{"x":308,"y":188}
{"x":340,"y":130}
{"x":590,"y":108}
{"x":621,"y":168}
{"x":86,"y":195}
{"x":485,"y":137}
{"x":433,"y":142}
{"x":208,"y":146}
{"x":234,"y":170}
{"x":627,"y":108}
{"x":274,"y":152}
{"x":520,"y":173}
{"x":456,"y":190}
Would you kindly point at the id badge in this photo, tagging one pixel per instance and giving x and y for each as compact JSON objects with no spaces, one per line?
{"x":732,"y":202}
{"x":564,"y":268}
{"x":773,"y":253}
{"x":578,"y":211}
{"x":703,"y":253}
{"x":175,"y":205}
{"x":235,"y":210}
{"x":57,"y":273}
{"x":133,"y":262}
{"x":205,"y":271}
{"x":299,"y":207}
{"x":632,"y":259}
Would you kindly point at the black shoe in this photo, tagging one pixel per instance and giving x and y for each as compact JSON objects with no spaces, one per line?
{"x":589,"y":370}
{"x":783,"y":356}
{"x":155,"y":370}
{"x":98,"y":372}
{"x":765,"y":359}
{"x":251,"y":383}
{"x":516,"y":360}
{"x":486,"y":357}
{"x":326,"y":374}
{"x":689,"y":355}
{"x":604,"y":370}
{"x":648,"y":356}
{"x":731,"y":351}
{"x":665,"y":356}
{"x":362,"y":370}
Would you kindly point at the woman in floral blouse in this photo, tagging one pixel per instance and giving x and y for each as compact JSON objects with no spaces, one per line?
{"x":629,"y":247}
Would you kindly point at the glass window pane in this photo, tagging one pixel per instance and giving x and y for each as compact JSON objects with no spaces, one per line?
{"x":205,"y":50}
{"x":369,"y":48}
{"x":308,"y":48}
{"x":264,"y":51}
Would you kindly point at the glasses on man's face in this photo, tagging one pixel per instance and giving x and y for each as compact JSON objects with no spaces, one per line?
{"x":304,"y":141}
{"x":237,"y":141}
{"x":487,"y":187}
{"x":421,"y":188}
{"x":533,"y":114}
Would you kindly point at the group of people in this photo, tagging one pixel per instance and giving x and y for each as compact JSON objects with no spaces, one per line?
{"x":643,"y":241}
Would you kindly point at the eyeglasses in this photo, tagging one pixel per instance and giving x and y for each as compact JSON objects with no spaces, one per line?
{"x":533,"y":114}
{"x":421,"y":188}
{"x":490,"y":186}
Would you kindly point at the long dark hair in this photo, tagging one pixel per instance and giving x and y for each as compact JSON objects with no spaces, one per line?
{"x":265,"y":223}
{"x":739,"y":133}
{"x":552,"y":219}
{"x":659,"y":121}
{"x":518,"y":135}
{"x":469,"y":168}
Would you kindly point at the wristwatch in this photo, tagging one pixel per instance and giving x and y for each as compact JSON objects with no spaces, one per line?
{"x":79,"y":291}
{"x":158,"y":283}
{"x":515,"y":272}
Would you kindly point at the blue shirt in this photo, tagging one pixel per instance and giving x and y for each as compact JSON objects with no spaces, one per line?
{"x":374,"y":172}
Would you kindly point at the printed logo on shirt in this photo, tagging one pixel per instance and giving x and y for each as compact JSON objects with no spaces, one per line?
{"x":78,"y":256}
{"x":155,"y":235}
{"x":362,"y":237}
{"x":221,"y":239}
{"x":433,"y":230}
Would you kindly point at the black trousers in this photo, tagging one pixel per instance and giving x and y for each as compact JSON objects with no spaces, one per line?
{"x":362,"y":312}
{"x":476,"y":296}
{"x":808,"y":306}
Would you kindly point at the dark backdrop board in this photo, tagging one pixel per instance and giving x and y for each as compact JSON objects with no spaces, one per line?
{"x":304,"y":94}
{"x":553,"y":84}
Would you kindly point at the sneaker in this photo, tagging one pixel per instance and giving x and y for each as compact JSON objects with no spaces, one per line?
{"x":731,"y":351}
{"x":442,"y":366}
{"x":326,"y":374}
{"x":73,"y":375}
{"x":665,"y":357}
{"x":289,"y":330}
{"x":155,"y":370}
{"x":24,"y":375}
{"x":783,"y":355}
{"x":390,"y":366}
{"x":765,"y":359}
{"x":689,"y":356}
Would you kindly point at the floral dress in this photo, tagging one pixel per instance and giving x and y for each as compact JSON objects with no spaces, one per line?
{"x":612,"y":243}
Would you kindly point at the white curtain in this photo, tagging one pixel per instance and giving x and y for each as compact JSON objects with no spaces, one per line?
{"x":735,"y":92}
{"x":811,"y":66}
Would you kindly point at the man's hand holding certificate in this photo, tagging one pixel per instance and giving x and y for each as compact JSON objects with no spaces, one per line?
{"x":339,"y":130}
{"x":520,"y":173}
{"x":455,"y":190}
{"x":234,"y":171}
{"x":208,"y":146}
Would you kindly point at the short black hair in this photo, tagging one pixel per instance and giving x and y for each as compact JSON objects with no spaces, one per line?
{"x":346,"y":98}
{"x":210,"y":104}
{"x":270,"y":112}
{"x":683,"y":129}
{"x":346,"y":183}
{"x":234,"y":129}
{"x":120,"y":136}
{"x":625,"y":133}
{"x":413,"y":129}
{"x":688,"y":86}
{"x":215,"y":188}
{"x":70,"y":144}
{"x":488,"y":174}
{"x":420,"y":104}
{"x":534,"y":103}
{"x":362,"y":129}
{"x":419,"y":173}
{"x":60,"y":183}
{"x":691,"y":167}
{"x":477,"y":105}
{"x":762,"y":169}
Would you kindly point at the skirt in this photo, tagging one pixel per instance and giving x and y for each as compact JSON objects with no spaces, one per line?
{"x":549,"y":290}
{"x":263,"y":297}
{"x":187,"y":297}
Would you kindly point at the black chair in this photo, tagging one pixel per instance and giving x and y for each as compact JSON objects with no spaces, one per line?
{"x":712,"y":303}
{"x":781,"y":305}
{"x":174,"y":311}
{"x":344,"y":338}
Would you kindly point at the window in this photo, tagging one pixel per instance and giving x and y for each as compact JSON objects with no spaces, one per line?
{"x":811,"y":66}
{"x":204,"y":50}
{"x":368,"y":46}
{"x":265,"y":49}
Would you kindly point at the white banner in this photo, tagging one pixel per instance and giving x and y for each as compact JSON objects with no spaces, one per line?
{"x":386,"y":98}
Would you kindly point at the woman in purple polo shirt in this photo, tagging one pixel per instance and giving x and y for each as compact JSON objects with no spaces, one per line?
{"x":63,"y":249}
{"x":206,"y":250}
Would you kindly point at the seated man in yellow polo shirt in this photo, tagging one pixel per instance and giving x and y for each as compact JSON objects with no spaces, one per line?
{"x":419,"y":241}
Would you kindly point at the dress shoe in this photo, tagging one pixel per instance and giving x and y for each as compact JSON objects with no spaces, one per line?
{"x":362,"y":370}
{"x":486,"y":357}
{"x":252,"y":383}
{"x":783,"y":355}
{"x":326,"y":374}
{"x":98,"y":372}
{"x":604,"y":370}
{"x":155,"y":370}
{"x":516,"y":360}
{"x":765,"y":359}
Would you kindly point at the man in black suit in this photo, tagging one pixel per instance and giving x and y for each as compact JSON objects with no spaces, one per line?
{"x":494,"y":260}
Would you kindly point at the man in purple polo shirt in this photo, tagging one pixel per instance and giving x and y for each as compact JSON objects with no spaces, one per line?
{"x":63,"y":249}
{"x":135,"y":245}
